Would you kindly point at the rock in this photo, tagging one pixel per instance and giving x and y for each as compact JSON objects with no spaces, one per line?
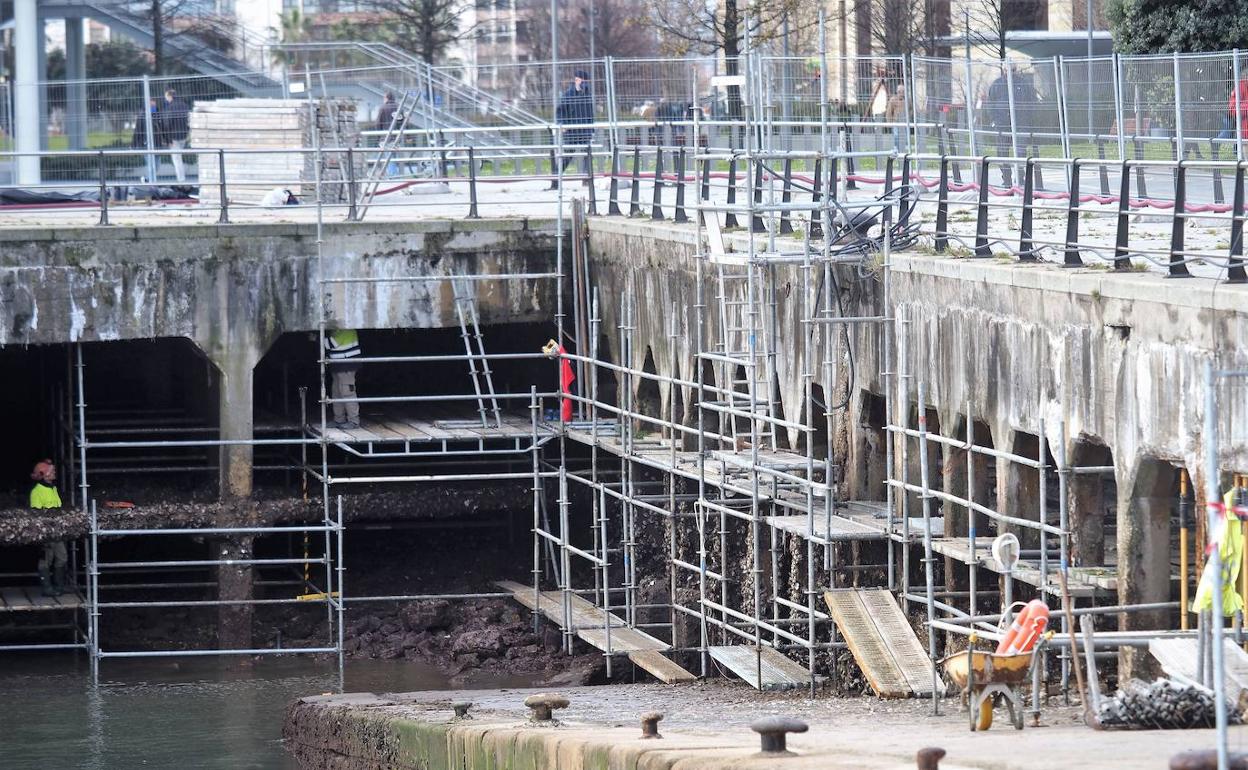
{"x":426,"y":616}
{"x":487,"y":642}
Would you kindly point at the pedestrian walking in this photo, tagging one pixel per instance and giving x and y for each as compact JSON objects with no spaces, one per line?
{"x":576,"y":108}
{"x":175,"y":128}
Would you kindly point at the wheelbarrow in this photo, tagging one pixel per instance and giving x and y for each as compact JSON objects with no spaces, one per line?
{"x":986,"y":676}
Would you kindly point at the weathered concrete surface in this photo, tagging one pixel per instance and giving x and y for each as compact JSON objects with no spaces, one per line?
{"x":705,"y":726}
{"x":221,"y":284}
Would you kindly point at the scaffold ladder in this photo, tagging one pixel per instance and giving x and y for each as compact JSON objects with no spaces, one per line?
{"x":474,"y":346}
{"x":386,"y":149}
{"x":742,"y":339}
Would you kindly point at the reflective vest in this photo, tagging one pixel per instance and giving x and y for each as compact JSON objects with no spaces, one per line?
{"x":342,"y":343}
{"x":44,"y":496}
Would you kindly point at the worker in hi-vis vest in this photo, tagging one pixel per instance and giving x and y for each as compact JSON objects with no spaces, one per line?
{"x":54,"y":563}
{"x":342,"y":345}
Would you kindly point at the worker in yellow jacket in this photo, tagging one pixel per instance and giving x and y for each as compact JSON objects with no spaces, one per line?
{"x":54,"y":563}
{"x":1230,"y":539}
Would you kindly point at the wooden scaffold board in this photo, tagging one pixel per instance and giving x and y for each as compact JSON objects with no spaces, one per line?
{"x":748,"y":662}
{"x":589,"y":624}
{"x":882,"y":642}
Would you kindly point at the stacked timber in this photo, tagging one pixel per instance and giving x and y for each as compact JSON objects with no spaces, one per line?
{"x":273,"y":130}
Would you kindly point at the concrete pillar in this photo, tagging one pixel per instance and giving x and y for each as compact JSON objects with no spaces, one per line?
{"x":1018,"y":489}
{"x":953,"y":482}
{"x":1145,"y":500}
{"x":1086,"y":507}
{"x":236,"y":422}
{"x":75,"y":90}
{"x":28,"y":41}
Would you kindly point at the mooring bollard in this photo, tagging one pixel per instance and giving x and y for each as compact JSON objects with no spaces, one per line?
{"x":650,"y":724}
{"x":772,"y":732}
{"x":929,"y":758}
{"x":544,"y":705}
{"x":461,"y":709}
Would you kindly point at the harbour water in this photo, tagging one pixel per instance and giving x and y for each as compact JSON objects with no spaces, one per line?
{"x":176,"y":713}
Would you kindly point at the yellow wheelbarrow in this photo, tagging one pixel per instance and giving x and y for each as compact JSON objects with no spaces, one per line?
{"x":985,"y":676}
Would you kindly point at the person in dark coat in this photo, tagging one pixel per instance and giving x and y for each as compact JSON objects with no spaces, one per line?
{"x":385,"y":115}
{"x":138,"y":139}
{"x":576,"y":107}
{"x":175,"y":128}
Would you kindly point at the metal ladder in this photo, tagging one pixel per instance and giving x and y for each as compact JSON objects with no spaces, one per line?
{"x":474,"y":346}
{"x":744,"y":339}
{"x":386,"y":149}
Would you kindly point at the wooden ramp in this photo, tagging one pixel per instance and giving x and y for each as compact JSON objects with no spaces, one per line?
{"x":589,"y":624}
{"x":1178,"y":658}
{"x":882,"y":642}
{"x":748,"y":661}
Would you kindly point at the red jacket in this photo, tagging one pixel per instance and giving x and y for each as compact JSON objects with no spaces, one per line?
{"x":1240,"y":91}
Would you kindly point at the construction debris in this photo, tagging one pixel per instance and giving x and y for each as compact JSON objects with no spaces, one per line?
{"x":275,"y":125}
{"x":1160,"y":705}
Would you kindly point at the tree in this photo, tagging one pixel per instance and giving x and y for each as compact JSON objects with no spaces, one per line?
{"x":1161,"y":26}
{"x":617,"y":28}
{"x":991,"y":20}
{"x":425,"y":28}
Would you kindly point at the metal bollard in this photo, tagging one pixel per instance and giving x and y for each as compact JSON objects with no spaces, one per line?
{"x":929,"y":758}
{"x":772,"y":732}
{"x":543,"y":705}
{"x":650,"y":724}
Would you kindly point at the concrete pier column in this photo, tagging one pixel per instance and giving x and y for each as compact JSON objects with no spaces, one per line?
{"x":236,"y":423}
{"x":953,"y":482}
{"x":28,"y":42}
{"x":1086,"y":505}
{"x":75,"y":89}
{"x":1018,"y":488}
{"x":1146,"y":497}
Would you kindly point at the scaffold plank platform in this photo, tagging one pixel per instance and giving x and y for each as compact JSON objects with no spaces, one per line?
{"x":840,"y":528}
{"x":1179,"y":659}
{"x":31,"y":598}
{"x":882,"y":642}
{"x":587,"y":620}
{"x":748,"y":662}
{"x":386,"y":428}
{"x":661,"y":667}
{"x":1085,"y":582}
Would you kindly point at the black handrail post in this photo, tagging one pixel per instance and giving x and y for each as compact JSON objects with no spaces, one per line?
{"x":103,"y":190}
{"x":1235,"y":265}
{"x":786,"y":197}
{"x":816,"y":193}
{"x":613,"y":195}
{"x":942,"y":206}
{"x":472,"y":184}
{"x":352,"y":186}
{"x":1072,"y":258}
{"x":656,"y":197}
{"x":850,"y":184}
{"x":224,"y":219}
{"x":1104,"y":168}
{"x":1026,"y":248}
{"x":679,"y":215}
{"x":589,"y":180}
{"x":756,"y":221}
{"x":1141,"y":189}
{"x":903,"y":199}
{"x":1122,"y":236}
{"x":634,"y":194}
{"x":1219,"y":194}
{"x":982,"y":249}
{"x":1178,"y":228}
{"x":730,"y":217}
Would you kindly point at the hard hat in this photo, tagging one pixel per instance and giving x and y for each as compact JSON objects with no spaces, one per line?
{"x":44,"y":470}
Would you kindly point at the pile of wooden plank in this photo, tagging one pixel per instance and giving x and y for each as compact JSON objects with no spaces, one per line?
{"x":275,"y":129}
